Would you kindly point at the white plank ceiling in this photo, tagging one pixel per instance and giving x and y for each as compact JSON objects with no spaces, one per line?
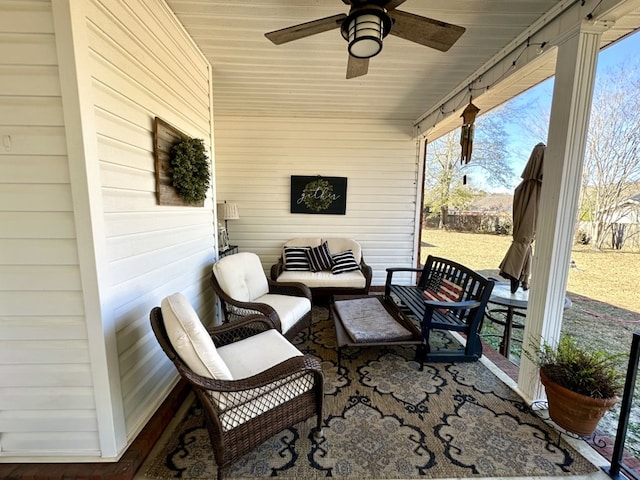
{"x":306,"y":77}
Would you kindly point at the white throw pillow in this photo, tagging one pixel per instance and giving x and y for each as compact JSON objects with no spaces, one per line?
{"x":191,"y":340}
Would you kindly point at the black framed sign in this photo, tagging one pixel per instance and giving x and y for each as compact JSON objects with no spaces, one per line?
{"x":318,"y":194}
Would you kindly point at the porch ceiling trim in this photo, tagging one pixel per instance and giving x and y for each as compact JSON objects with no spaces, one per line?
{"x":519,"y":59}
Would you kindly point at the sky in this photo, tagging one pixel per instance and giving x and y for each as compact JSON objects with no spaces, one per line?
{"x":522,"y":142}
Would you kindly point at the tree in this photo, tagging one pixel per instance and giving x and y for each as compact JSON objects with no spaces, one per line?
{"x":444,"y":176}
{"x":611,"y":168}
{"x":611,"y":164}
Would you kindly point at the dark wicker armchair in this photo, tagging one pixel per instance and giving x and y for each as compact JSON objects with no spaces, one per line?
{"x":242,"y":413}
{"x":243,"y":288}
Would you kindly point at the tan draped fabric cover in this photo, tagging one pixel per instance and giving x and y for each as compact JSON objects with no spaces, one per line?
{"x":517,"y":261}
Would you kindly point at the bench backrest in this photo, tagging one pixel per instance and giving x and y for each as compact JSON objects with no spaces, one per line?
{"x":474,"y":285}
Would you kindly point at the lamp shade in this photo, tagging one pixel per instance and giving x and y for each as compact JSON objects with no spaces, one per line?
{"x":228,"y":211}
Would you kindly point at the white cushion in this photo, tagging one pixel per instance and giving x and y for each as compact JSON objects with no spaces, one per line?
{"x":190,"y":338}
{"x":249,"y":357}
{"x":241,"y":276}
{"x":255,"y":354}
{"x":353,"y":279}
{"x":337,"y":245}
{"x":303,"y":242}
{"x":288,"y":307}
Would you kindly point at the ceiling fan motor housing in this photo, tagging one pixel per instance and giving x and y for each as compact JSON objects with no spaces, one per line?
{"x":364,"y":28}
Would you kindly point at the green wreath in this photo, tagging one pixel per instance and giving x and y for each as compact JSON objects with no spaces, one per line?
{"x":190,"y":169}
{"x":318,"y":195}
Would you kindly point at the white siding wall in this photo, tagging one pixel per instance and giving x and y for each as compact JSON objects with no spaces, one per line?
{"x":45,"y":376}
{"x":256,"y":157}
{"x":143,"y":65}
{"x":54,"y":351}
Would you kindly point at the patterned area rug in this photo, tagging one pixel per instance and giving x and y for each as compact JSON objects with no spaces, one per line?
{"x":385,"y":419}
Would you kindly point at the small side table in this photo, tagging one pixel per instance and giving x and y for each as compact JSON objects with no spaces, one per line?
{"x":516,"y":306}
{"x":229,"y":251}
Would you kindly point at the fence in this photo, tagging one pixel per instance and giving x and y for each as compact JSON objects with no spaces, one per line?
{"x":474,"y":222}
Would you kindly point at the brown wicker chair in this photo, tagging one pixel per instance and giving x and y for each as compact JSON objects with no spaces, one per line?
{"x":243,"y":413}
{"x":244,"y":289}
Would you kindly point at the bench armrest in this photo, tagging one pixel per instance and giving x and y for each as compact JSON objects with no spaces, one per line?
{"x":297,"y":289}
{"x":292,"y":368}
{"x":240,"y":329}
{"x":391,"y":271}
{"x":403,"y":269}
{"x":367,"y":272}
{"x":464,"y":305}
{"x":277,"y":269}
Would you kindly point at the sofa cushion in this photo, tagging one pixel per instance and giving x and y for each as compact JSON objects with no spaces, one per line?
{"x":295,"y":258}
{"x":344,"y":262}
{"x":325,"y":279}
{"x":190,"y":338}
{"x":241,"y":276}
{"x":303,"y":242}
{"x":320,"y":258}
{"x":244,"y":362}
{"x":289,"y":308}
{"x":241,"y":356}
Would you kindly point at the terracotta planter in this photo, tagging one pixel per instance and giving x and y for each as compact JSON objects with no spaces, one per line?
{"x":572,"y":411}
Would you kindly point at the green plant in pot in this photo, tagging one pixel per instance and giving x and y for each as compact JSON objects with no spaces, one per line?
{"x":582,"y":384}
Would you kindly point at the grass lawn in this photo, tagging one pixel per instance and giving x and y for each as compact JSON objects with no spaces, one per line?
{"x":603,"y":287}
{"x":609,"y":276}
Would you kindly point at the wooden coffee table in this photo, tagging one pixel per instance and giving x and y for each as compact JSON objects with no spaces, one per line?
{"x":377,"y":312}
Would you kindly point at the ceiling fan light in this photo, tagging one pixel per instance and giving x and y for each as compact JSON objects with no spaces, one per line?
{"x":364,"y":29}
{"x":366,"y":32}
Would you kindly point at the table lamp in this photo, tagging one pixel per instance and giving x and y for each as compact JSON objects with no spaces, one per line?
{"x":227,"y":211}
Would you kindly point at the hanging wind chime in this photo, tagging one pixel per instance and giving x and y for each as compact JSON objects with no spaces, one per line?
{"x":466,"y":134}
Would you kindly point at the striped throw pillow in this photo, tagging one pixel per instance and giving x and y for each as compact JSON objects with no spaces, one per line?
{"x":320,"y":258}
{"x":344,"y":262}
{"x":295,"y":259}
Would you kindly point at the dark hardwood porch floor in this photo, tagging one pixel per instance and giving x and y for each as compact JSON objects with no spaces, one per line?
{"x":125,"y":469}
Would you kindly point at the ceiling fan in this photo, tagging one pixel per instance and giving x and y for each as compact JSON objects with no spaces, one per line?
{"x":368,"y":22}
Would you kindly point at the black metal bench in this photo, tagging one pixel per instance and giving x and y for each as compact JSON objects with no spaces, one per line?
{"x":464,"y":315}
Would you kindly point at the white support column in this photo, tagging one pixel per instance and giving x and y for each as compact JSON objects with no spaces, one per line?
{"x":562,"y":174}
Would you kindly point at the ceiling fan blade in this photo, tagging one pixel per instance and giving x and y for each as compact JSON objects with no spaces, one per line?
{"x":393,"y":4}
{"x":307,"y":29}
{"x":356,"y":67}
{"x":425,"y":31}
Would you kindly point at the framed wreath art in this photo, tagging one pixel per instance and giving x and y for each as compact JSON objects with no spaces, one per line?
{"x":326,"y":195}
{"x":182,"y":167}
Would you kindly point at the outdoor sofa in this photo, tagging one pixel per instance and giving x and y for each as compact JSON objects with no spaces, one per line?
{"x":340,"y":268}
